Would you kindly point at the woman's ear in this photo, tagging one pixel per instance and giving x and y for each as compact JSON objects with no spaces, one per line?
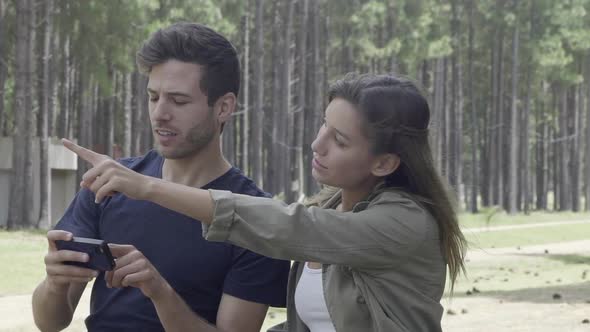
{"x":225,"y":107}
{"x":385,"y":164}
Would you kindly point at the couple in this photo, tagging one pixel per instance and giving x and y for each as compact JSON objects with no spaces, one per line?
{"x":371,"y":250}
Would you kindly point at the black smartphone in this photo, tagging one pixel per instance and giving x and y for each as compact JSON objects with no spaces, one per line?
{"x":100,"y":257}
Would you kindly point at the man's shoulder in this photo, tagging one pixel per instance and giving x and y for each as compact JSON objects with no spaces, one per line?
{"x":138,"y":162}
{"x":237,"y":182}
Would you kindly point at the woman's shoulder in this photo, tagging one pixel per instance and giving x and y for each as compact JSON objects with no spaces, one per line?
{"x":402,"y":206}
{"x":398,"y":196}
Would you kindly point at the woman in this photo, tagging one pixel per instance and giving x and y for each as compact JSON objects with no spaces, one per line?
{"x":383,"y":237}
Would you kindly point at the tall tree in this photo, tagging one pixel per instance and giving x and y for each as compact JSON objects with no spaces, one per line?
{"x":257,"y":123}
{"x":513,"y":171}
{"x":3,"y":62}
{"x":16,"y":212}
{"x":455,"y":172}
{"x":300,"y":107}
{"x":587,"y":143}
{"x":286,"y":107}
{"x":126,"y":78}
{"x":47,"y":93}
{"x":473,"y":208}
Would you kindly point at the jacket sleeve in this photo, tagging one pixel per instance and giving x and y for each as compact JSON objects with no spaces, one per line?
{"x":391,"y":228}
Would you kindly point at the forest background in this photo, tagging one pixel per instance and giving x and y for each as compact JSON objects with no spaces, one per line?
{"x":508,"y":84}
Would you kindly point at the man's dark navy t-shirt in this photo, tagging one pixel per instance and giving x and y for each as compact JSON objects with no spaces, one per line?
{"x":199,"y":271}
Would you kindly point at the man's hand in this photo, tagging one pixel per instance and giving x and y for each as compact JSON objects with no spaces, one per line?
{"x":59,"y":275}
{"x":135,"y":270}
{"x":107,"y":177}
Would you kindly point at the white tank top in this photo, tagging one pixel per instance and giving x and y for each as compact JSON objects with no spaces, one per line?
{"x":310,"y":302}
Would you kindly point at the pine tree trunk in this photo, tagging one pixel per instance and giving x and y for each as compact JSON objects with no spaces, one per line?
{"x":438,"y":109}
{"x":144,"y":131}
{"x":500,"y":125}
{"x":136,"y":125}
{"x":110,"y":110}
{"x":254,"y":159}
{"x":473,"y":207}
{"x":541,"y":138}
{"x":513,"y":163}
{"x":3,"y":71}
{"x":314,"y":84}
{"x":47,"y":92}
{"x":575,"y":155}
{"x":287,"y":114}
{"x":273,"y":181}
{"x":456,"y":109}
{"x":587,"y":150}
{"x":126,"y":78}
{"x":32,"y":109}
{"x":301,"y":96}
{"x":64,"y":91}
{"x":524,"y":137}
{"x":562,"y":136}
{"x":53,"y":81}
{"x":16,"y":212}
{"x":448,"y":120}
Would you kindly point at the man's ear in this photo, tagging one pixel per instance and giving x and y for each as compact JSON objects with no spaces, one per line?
{"x":385,"y":164}
{"x":225,"y":107}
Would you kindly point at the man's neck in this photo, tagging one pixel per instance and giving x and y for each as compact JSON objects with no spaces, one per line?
{"x":197,"y":170}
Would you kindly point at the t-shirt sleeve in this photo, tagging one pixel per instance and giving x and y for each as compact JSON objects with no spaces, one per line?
{"x":256,"y":278}
{"x":82,"y":216}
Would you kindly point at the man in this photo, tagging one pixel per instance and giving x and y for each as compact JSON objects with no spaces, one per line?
{"x":167,"y":276}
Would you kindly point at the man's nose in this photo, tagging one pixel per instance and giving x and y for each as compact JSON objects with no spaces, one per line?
{"x":160,"y":111}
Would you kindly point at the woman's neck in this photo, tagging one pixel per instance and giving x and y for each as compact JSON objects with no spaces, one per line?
{"x":350,"y":197}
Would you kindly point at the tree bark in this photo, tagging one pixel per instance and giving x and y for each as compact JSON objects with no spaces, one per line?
{"x":473,"y":207}
{"x":31,"y":126}
{"x":47,"y":92}
{"x":575,"y":155}
{"x":16,"y":210}
{"x":500,"y":125}
{"x":273,"y":180}
{"x":587,"y":150}
{"x":314,"y":103}
{"x":513,"y":171}
{"x":255,"y":159}
{"x":541,"y":138}
{"x":301,"y":96}
{"x":562,"y":136}
{"x":456,"y":109}
{"x":3,"y":61}
{"x":64,"y":91}
{"x":127,"y":115}
{"x":288,"y":116}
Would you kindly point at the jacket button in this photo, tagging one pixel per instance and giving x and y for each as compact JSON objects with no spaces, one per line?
{"x":360,"y":299}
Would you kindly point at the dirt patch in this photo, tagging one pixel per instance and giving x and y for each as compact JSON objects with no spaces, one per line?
{"x":516,"y":294}
{"x":530,"y":299}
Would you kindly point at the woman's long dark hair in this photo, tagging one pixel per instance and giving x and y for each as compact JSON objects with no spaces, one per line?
{"x":396,"y":121}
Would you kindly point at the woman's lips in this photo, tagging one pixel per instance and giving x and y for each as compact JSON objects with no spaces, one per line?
{"x":315,"y":163}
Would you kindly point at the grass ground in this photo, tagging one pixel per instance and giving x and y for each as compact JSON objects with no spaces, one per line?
{"x":21,"y":258}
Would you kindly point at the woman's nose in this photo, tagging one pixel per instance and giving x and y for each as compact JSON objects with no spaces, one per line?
{"x":318,"y":144}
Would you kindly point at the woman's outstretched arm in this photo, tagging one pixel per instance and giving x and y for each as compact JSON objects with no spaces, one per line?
{"x":107,"y":177}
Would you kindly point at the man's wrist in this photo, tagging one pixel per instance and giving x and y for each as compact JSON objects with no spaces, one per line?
{"x":55,"y":287}
{"x":163,"y":293}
